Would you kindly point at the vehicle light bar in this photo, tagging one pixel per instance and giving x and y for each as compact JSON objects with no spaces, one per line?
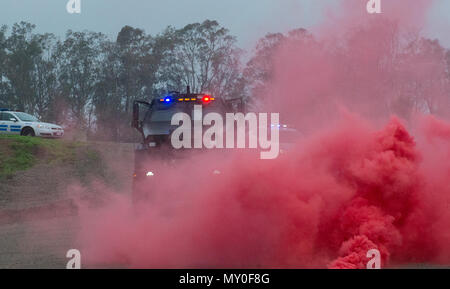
{"x":205,"y":98}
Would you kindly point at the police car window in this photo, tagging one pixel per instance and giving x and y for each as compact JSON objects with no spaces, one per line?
{"x":25,"y":116}
{"x":6,"y":116}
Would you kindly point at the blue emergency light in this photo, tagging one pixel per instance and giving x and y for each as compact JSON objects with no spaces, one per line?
{"x":205,"y":98}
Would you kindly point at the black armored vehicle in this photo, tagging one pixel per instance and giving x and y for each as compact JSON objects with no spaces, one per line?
{"x":154,"y":122}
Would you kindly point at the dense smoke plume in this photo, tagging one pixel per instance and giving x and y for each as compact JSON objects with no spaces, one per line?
{"x":371,"y":172}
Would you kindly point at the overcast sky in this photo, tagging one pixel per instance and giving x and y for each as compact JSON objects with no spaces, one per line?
{"x":247,"y":19}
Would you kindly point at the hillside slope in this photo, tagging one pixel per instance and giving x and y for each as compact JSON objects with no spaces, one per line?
{"x":39,"y":179}
{"x":35,"y":171}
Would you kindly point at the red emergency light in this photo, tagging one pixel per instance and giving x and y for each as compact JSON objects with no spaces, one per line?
{"x":206,"y":98}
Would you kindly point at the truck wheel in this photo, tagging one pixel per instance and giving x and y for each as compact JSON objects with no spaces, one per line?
{"x":28,"y":131}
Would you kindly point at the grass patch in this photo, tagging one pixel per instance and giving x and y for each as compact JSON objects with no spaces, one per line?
{"x":18,"y":153}
{"x":18,"y":156}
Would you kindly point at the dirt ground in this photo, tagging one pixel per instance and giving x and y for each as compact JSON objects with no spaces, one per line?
{"x":38,"y":218}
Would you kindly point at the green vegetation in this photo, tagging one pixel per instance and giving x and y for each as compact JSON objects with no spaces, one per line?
{"x":18,"y":153}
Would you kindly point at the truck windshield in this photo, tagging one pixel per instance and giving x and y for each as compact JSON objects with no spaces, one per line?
{"x":26,"y":117}
{"x":163,"y":115}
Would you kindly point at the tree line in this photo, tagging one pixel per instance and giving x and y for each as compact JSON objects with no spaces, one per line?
{"x":88,"y":82}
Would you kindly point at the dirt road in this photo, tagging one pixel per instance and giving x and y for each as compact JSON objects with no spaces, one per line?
{"x":38,"y":222}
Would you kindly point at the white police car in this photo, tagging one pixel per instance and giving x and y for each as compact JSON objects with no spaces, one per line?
{"x":20,"y":123}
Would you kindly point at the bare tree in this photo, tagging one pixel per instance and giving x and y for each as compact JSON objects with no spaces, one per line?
{"x":79,"y":57}
{"x":203,"y":56}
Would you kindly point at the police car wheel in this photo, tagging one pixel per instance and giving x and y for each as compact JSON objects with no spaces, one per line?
{"x":28,"y":132}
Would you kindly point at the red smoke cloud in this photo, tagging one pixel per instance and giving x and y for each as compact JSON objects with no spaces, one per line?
{"x":336,"y":196}
{"x":362,"y":179}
